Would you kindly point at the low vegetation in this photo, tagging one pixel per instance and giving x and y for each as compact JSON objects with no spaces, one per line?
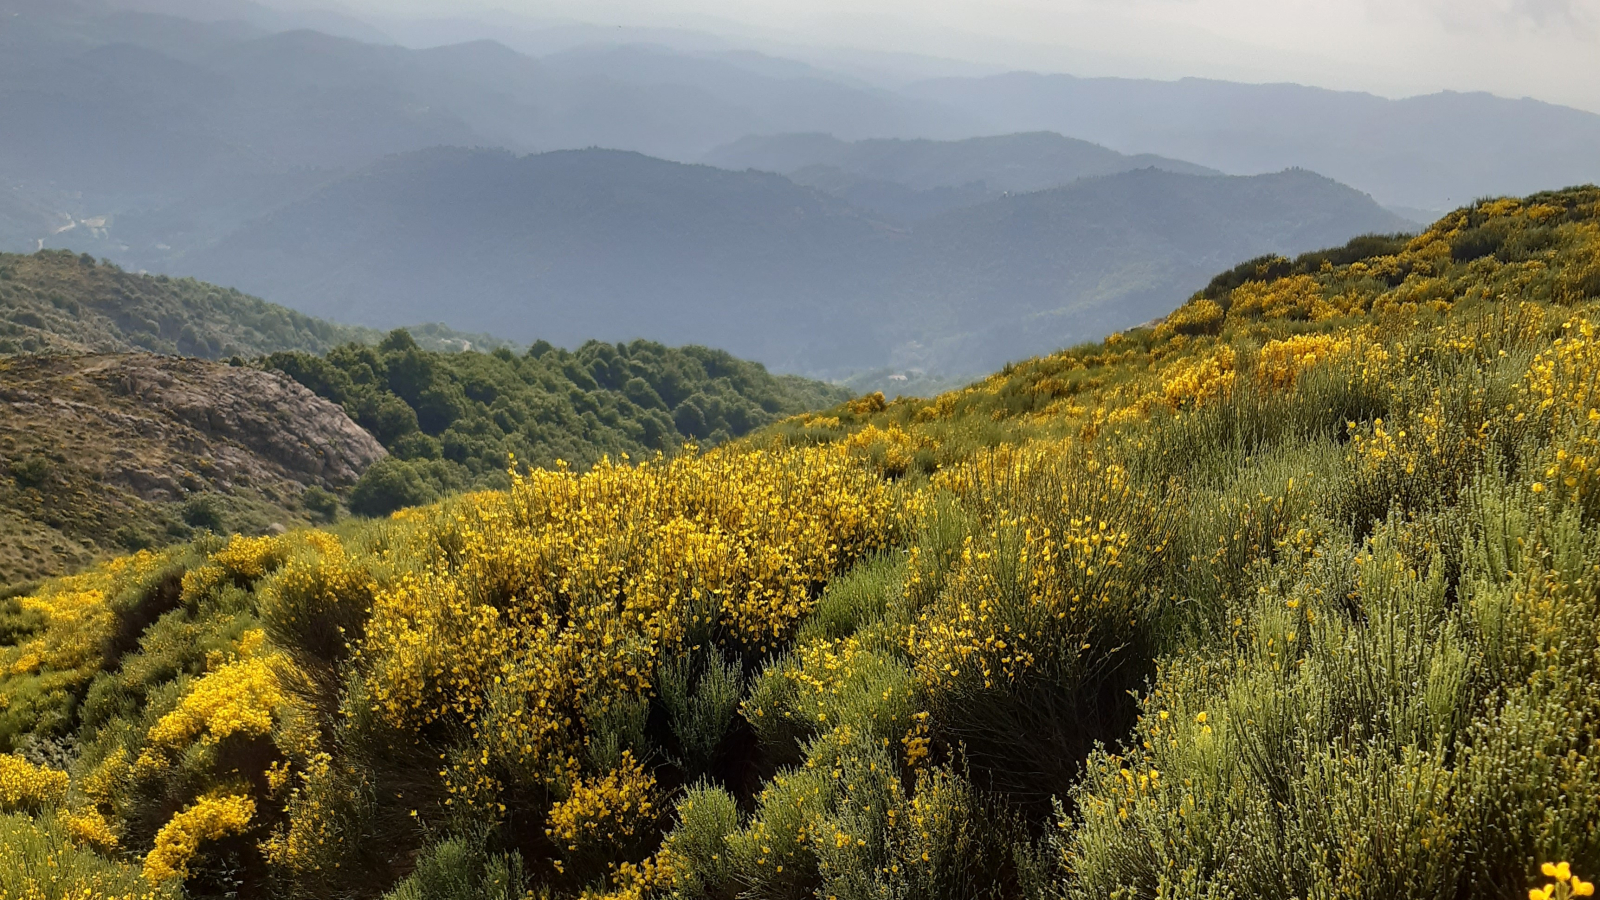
{"x":1292,"y":594}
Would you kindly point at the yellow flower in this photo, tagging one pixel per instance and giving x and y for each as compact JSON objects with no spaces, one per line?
{"x":1581,"y":888}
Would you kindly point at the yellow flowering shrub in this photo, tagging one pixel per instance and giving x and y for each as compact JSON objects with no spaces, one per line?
{"x":251,"y":557}
{"x":1201,"y":316}
{"x":77,"y":618}
{"x":24,"y":785}
{"x":891,"y":450}
{"x":1283,"y":298}
{"x":608,"y":810}
{"x":1061,"y":553}
{"x":1198,"y":380}
{"x":238,"y":698}
{"x":1282,"y":361}
{"x":1563,"y":400}
{"x":91,"y":828}
{"x":211,"y":817}
{"x":39,"y":860}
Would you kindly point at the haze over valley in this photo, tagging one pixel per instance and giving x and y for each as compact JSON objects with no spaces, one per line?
{"x":301,"y":156}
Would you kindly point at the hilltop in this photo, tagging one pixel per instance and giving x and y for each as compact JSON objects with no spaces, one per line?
{"x":55,"y":301}
{"x":1289,"y":594}
{"x":574,"y":245}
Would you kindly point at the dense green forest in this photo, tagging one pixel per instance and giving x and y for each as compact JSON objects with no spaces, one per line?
{"x":1291,"y":594}
{"x":452,"y":421}
{"x":55,"y":301}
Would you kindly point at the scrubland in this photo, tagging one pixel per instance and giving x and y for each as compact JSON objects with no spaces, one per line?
{"x":1292,"y":595}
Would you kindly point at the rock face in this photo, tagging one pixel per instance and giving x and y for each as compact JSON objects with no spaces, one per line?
{"x":267,"y":414}
{"x":100,"y":454}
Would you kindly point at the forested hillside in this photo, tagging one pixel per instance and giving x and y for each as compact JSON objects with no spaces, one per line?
{"x":452,"y":421}
{"x":570,"y":246}
{"x":55,"y":301}
{"x":1290,"y":595}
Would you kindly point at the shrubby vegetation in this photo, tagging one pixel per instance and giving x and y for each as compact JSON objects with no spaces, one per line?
{"x":452,"y":421}
{"x":1290,"y":595}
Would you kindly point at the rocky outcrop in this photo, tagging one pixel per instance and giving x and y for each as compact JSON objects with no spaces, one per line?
{"x":100,"y":454}
{"x":267,"y":414}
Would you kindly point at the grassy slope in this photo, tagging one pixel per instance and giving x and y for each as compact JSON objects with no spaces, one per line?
{"x":1290,"y":595}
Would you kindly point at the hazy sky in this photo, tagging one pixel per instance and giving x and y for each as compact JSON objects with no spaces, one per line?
{"x":1549,"y":49}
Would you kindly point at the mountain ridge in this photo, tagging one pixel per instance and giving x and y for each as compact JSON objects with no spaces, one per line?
{"x":578,"y":244}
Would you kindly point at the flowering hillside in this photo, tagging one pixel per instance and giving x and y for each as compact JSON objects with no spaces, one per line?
{"x":1293,"y":595}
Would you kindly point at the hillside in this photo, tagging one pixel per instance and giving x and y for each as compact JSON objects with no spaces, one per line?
{"x":452,"y":420}
{"x":104,"y":454}
{"x":1291,"y":594}
{"x":60,"y":302}
{"x":910,"y":180}
{"x":599,"y":244}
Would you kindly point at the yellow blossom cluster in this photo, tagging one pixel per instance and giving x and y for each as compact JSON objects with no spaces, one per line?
{"x":1203,"y":316}
{"x":238,"y":698}
{"x":1563,"y":886}
{"x":25,"y":785}
{"x":1197,"y":380}
{"x":891,"y":450}
{"x":211,"y":817}
{"x":1282,"y":361}
{"x":91,"y":828}
{"x":1283,"y":298}
{"x":77,"y":617}
{"x":41,"y":860}
{"x":616,"y":806}
{"x":1060,"y":554}
{"x":1564,"y":400}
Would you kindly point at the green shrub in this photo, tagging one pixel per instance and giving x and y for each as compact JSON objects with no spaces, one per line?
{"x":388,"y":485}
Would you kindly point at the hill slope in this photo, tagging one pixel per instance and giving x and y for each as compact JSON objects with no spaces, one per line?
{"x":572,"y":245}
{"x":55,"y":301}
{"x":1292,"y":594}
{"x":909,"y":180}
{"x":104,"y":454}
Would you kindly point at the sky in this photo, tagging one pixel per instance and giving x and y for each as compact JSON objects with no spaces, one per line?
{"x":1546,"y":49}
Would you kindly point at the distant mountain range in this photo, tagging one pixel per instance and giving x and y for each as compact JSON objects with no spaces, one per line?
{"x":611,"y":245}
{"x":913,"y":179}
{"x":1431,"y":152}
{"x":297,"y":155}
{"x":120,"y":106}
